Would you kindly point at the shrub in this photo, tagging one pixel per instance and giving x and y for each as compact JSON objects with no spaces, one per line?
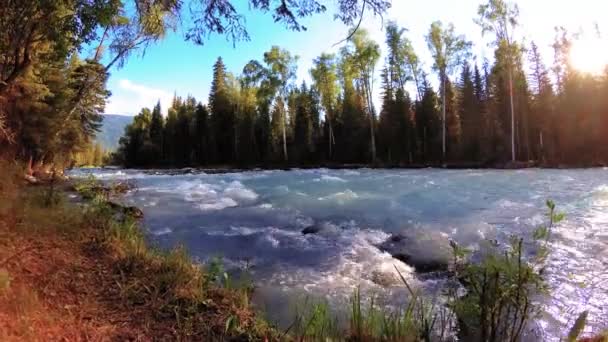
{"x":498,"y":304}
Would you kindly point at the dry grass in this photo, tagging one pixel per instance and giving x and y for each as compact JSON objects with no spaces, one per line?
{"x":80,"y":274}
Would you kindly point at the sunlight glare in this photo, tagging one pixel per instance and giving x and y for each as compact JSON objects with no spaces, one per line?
{"x":589,"y":55}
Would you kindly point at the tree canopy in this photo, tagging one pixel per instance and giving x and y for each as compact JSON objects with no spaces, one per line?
{"x":51,"y":101}
{"x":272,"y":120}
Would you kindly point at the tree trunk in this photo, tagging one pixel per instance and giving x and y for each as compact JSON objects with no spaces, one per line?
{"x":331,"y":138}
{"x":373,"y":140}
{"x":371,"y":126}
{"x":236,"y":143}
{"x":443,"y":133}
{"x":284,"y":138}
{"x":424,"y":145}
{"x":512,"y":114}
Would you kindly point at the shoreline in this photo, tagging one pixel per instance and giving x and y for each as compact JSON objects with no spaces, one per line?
{"x":224,"y":169}
{"x":80,"y":268}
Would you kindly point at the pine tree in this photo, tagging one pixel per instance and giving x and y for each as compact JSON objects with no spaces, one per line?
{"x":470,"y":113}
{"x":542,"y":106}
{"x":428,"y":124}
{"x":277,"y":130}
{"x":201,"y":135}
{"x":169,"y":134}
{"x":453,"y":124}
{"x":156,"y":128}
{"x":222,"y":114}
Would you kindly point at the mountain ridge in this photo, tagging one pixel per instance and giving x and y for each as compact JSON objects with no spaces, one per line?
{"x":112,"y":129}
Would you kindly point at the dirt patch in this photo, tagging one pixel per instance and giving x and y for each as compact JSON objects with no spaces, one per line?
{"x":59,"y":290}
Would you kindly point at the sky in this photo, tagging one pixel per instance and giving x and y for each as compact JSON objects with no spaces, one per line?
{"x":175,"y":66}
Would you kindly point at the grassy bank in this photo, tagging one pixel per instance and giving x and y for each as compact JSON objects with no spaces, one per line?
{"x":81,"y":270}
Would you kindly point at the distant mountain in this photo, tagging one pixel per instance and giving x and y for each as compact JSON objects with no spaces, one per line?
{"x":113,"y":128}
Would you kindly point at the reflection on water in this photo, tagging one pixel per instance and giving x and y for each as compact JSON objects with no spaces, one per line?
{"x":256,"y":218}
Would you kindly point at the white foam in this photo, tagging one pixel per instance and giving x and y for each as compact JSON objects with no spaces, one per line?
{"x":352,"y":173}
{"x":162,"y":231}
{"x":198,"y":192}
{"x":341,"y":197}
{"x":327,"y":178}
{"x":219,"y":204}
{"x":237,"y":191}
{"x":357,"y":263}
{"x":209,"y":197}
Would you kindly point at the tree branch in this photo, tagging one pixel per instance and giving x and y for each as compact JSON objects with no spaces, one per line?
{"x":354,"y":30}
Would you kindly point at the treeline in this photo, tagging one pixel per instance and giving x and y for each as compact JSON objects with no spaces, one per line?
{"x":56,"y":56}
{"x":515,"y":109}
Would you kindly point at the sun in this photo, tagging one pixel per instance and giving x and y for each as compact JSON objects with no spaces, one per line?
{"x":589,"y":55}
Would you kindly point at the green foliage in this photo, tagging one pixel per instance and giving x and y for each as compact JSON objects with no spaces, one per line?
{"x":499,"y":299}
{"x":93,"y":155}
{"x":421,"y":319}
{"x":261,"y":118}
{"x":168,"y":282}
{"x":314,"y":321}
{"x":51,"y":101}
{"x":500,"y":289}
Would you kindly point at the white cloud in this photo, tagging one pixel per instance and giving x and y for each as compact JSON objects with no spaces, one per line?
{"x":128,"y":98}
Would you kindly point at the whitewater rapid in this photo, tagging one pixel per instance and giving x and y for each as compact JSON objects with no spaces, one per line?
{"x":253,"y":220}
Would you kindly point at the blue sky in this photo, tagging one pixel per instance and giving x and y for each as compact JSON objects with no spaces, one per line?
{"x":176,"y":66}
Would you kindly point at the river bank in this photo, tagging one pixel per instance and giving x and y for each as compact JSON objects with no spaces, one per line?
{"x":74,"y":270}
{"x":221,"y":169}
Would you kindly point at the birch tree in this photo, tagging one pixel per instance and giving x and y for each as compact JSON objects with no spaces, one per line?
{"x":500,"y":18}
{"x":448,"y":51}
{"x":365,"y":56}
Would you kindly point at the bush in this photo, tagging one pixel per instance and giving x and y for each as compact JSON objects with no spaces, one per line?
{"x":498,"y":304}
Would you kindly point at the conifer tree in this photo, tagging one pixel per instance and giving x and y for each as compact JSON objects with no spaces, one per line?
{"x":470,"y":113}
{"x":202,"y":135}
{"x":156,"y":128}
{"x":222,"y":114}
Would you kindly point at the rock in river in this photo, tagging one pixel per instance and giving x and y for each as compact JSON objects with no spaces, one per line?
{"x":311,"y":229}
{"x":323,"y":228}
{"x":426,"y":251}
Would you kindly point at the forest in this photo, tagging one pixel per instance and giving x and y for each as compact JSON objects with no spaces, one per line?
{"x":515,"y":109}
{"x":56,"y":58}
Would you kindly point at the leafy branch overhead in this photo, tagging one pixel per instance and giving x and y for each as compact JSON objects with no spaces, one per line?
{"x":225,"y":18}
{"x":127,"y":26}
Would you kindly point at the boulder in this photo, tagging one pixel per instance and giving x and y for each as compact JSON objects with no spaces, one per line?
{"x":385,"y":279}
{"x":323,"y":228}
{"x":312,"y":229}
{"x":122,"y":187}
{"x":425,"y":250}
{"x":133,"y":212}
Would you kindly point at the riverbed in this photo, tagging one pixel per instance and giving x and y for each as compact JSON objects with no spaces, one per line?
{"x":253,"y":221}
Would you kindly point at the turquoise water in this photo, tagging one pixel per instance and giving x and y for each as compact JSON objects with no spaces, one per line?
{"x":253,"y":220}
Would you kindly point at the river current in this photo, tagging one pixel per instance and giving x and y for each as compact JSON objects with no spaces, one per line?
{"x":253,"y":220}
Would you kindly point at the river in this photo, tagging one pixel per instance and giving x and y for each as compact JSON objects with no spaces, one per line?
{"x":254,"y":220}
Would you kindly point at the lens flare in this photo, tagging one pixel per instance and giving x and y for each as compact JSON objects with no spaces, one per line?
{"x":589,"y":55}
